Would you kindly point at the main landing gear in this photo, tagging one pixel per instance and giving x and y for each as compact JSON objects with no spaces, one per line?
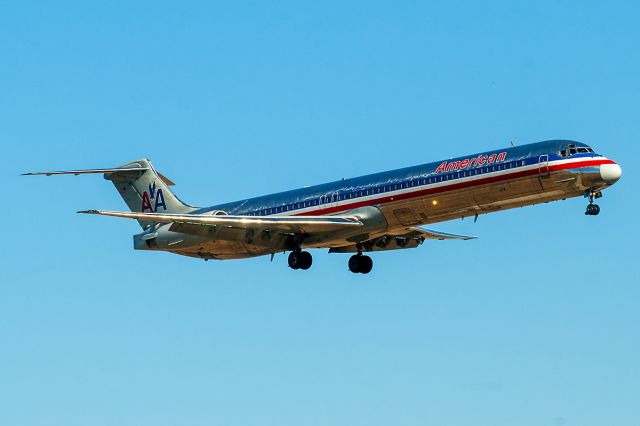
{"x":593,"y":209}
{"x":359,"y":263}
{"x":300,"y":260}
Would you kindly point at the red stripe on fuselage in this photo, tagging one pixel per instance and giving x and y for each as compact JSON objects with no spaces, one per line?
{"x":454,"y":186}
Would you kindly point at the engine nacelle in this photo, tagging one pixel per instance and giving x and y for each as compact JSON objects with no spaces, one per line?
{"x":160,"y":237}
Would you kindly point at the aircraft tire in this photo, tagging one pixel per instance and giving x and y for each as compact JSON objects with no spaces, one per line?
{"x":305,"y":260}
{"x":360,"y":264}
{"x":366,"y":264}
{"x":354,"y":263}
{"x":592,"y":210}
{"x":294,"y":260}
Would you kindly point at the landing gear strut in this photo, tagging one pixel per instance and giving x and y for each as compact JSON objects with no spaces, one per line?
{"x":359,"y":263}
{"x":300,"y":260}
{"x":593,"y":209}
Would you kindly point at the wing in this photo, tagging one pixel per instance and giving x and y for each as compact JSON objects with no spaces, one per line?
{"x":429,"y":234}
{"x":411,"y":238}
{"x":192,"y":223}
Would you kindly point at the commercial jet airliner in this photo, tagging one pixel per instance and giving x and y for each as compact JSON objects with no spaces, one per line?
{"x":376,"y":212}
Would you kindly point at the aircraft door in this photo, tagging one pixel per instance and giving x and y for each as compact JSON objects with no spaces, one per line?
{"x":543,"y":166}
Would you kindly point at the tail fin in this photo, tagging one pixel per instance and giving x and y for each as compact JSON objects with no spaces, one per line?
{"x":146,"y":190}
{"x":141,"y":187}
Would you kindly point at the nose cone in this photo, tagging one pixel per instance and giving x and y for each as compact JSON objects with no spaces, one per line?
{"x":610,"y":173}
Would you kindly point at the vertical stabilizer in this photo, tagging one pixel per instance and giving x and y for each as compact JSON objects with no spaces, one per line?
{"x":146,"y":191}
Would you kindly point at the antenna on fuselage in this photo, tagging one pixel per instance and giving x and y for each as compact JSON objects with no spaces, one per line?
{"x":513,"y":145}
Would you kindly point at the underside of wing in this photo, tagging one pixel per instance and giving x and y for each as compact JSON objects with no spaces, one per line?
{"x":410,"y":238}
{"x":191,"y":223}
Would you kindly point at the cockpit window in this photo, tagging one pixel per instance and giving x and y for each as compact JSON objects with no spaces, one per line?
{"x":572,"y":150}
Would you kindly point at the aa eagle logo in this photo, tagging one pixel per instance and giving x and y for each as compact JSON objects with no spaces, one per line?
{"x":153,"y":195}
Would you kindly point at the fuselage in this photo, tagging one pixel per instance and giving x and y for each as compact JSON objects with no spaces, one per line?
{"x":434,"y":192}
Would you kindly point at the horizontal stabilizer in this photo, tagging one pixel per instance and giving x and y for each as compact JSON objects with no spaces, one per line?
{"x":90,"y":171}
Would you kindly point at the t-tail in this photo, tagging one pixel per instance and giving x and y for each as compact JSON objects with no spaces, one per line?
{"x":140,"y":185}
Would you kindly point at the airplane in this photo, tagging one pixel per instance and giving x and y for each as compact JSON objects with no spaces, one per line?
{"x":376,"y":212}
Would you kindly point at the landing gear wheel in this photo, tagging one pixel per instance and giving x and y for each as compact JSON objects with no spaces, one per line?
{"x":360,"y":264}
{"x":592,"y":210}
{"x":354,"y":263}
{"x":366,"y":264}
{"x":294,"y":260}
{"x":300,"y":260}
{"x":305,"y":260}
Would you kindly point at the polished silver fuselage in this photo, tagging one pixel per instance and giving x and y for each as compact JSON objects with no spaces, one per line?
{"x":470,"y":196}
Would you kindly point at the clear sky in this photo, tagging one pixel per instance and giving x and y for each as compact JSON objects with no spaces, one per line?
{"x":534,"y":323}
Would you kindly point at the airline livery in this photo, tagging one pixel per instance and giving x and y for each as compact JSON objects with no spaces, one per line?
{"x":377,"y":212}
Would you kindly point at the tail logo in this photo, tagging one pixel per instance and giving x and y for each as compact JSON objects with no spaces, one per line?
{"x":153,"y":194}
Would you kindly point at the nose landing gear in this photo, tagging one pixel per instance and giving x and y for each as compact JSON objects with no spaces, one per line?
{"x":593,"y":209}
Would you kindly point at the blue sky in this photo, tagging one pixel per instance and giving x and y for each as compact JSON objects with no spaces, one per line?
{"x":534,"y":323}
